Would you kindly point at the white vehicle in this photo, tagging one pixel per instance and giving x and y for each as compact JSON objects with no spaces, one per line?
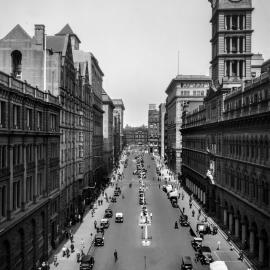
{"x":119,"y":217}
{"x":173,"y":193}
{"x":169,"y":188}
{"x":218,"y":265}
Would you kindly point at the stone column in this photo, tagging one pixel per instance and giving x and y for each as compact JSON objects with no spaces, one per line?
{"x":244,"y":68}
{"x":236,"y":232}
{"x":230,"y":68}
{"x":238,"y":68}
{"x":238,"y":45}
{"x":10,"y":191}
{"x":244,"y":44}
{"x":244,"y":232}
{"x":244,"y":22}
{"x":231,"y":222}
{"x":225,"y":68}
{"x":238,"y":22}
{"x":24,"y":178}
{"x":225,"y":217}
{"x":35,"y":175}
{"x":230,"y":22}
{"x":261,"y":250}
{"x":251,"y":241}
{"x":203,"y":197}
{"x":230,"y":44}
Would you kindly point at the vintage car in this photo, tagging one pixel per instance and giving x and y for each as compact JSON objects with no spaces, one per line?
{"x":99,"y":228}
{"x":108,"y":213}
{"x":186,"y":263}
{"x":104,"y":222}
{"x":183,"y":220}
{"x":87,"y":262}
{"x":99,"y":240}
{"x":119,"y":218}
{"x":205,"y":255}
{"x":116,"y":193}
{"x":196,"y":243}
{"x":113,"y":199}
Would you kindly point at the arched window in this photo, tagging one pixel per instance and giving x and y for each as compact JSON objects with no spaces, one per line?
{"x":16,"y":61}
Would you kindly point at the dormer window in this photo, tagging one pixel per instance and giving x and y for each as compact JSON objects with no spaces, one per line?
{"x":16,"y":59}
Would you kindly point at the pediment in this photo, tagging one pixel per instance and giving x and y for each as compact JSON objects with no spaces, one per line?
{"x":17,"y":33}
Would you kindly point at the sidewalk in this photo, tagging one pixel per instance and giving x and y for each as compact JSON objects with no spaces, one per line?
{"x":82,"y":232}
{"x":227,"y":252}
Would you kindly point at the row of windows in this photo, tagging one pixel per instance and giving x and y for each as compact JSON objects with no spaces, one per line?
{"x":248,"y":185}
{"x":17,"y":118}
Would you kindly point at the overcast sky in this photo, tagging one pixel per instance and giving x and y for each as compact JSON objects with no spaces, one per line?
{"x":135,"y":41}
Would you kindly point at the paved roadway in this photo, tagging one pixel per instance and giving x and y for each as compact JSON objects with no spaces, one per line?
{"x":167,"y":244}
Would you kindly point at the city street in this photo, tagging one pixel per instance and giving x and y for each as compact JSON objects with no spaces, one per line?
{"x":167,"y":244}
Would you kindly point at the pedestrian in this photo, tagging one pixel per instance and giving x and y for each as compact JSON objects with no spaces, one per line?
{"x":241,"y":255}
{"x":159,"y":186}
{"x":82,"y":245}
{"x":55,"y":260}
{"x":193,"y":213}
{"x":218,"y":245}
{"x":71,"y":237}
{"x":95,"y":224}
{"x":183,"y":210}
{"x":79,"y":217}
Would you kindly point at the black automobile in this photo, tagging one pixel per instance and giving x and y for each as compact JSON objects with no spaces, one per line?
{"x":108,"y":213}
{"x":113,"y":199}
{"x":184,"y":221}
{"x":99,"y":240}
{"x":196,"y":243}
{"x":87,"y":262}
{"x":99,"y":228}
{"x":186,"y":263}
{"x":205,"y":255}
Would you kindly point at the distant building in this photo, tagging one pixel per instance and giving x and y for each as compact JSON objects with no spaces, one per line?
{"x":29,"y":180}
{"x":119,"y":110}
{"x":182,"y":91}
{"x":135,"y":135}
{"x":116,"y":138}
{"x":153,"y":128}
{"x":256,"y":65}
{"x":108,"y":136}
{"x":162,"y":111}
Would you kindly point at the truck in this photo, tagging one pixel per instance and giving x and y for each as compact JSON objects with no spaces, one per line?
{"x":173,"y":196}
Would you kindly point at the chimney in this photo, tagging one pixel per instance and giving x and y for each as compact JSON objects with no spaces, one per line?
{"x":40,"y":34}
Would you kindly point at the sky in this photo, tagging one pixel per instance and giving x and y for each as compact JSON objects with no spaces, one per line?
{"x":136,"y":41}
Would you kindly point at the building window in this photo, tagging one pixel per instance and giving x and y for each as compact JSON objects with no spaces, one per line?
{"x":29,"y":189}
{"x":16,"y":116}
{"x":29,"y":118}
{"x":3,"y":156}
{"x":2,"y":114}
{"x":3,"y":199}
{"x":80,"y":151}
{"x":16,"y":60}
{"x":39,"y":120}
{"x":16,"y":195}
{"x":265,"y":190}
{"x":53,"y":122}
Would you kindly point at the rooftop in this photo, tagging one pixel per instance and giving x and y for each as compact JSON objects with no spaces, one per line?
{"x":119,"y":103}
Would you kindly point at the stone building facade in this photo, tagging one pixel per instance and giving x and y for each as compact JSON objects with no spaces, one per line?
{"x":116,"y":137}
{"x":226,"y":162}
{"x":29,"y":174}
{"x":162,"y":111}
{"x":183,"y":90}
{"x":135,"y":135}
{"x":226,"y":140}
{"x":153,"y":128}
{"x":108,"y":136}
{"x":51,"y":65}
{"x":119,"y":110}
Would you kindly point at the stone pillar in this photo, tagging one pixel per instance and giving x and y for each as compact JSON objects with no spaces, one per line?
{"x":230,"y":68}
{"x":238,"y":68}
{"x":36,"y":172}
{"x":251,"y":241}
{"x":231,"y":222}
{"x":244,"y":232}
{"x":244,"y":22}
{"x":225,"y":68}
{"x":238,"y":22}
{"x":230,"y":22}
{"x":244,"y":68}
{"x":225,"y":217}
{"x":230,"y":45}
{"x":24,"y":178}
{"x":203,"y":197}
{"x":10,"y":191}
{"x":236,"y":232}
{"x":238,"y":45}
{"x":261,"y":250}
{"x":244,"y":44}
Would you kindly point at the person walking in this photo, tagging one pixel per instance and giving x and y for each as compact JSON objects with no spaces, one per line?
{"x":115,"y":255}
{"x":95,"y":224}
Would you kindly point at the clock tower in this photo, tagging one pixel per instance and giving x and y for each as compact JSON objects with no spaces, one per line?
{"x":231,"y":41}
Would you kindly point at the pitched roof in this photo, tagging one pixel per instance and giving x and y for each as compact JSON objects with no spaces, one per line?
{"x":17,"y":33}
{"x":66,"y":30}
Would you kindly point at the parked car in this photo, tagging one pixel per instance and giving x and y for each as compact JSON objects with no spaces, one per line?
{"x":186,"y":263}
{"x":196,"y":243}
{"x":108,"y":213}
{"x":119,"y":218}
{"x":205,"y":255}
{"x":104,"y":222}
{"x":99,"y":240}
{"x":116,"y":193}
{"x":99,"y":228}
{"x":184,"y":221}
{"x":87,"y":262}
{"x":113,"y":199}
